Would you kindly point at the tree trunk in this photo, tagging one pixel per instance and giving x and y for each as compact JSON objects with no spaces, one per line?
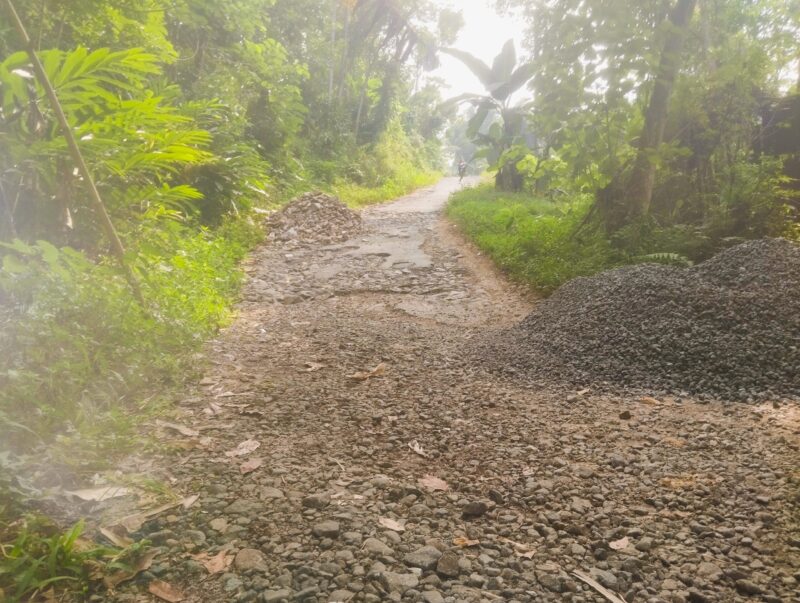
{"x":638,"y":192}
{"x":508,"y":178}
{"x":7,"y":228}
{"x":332,"y":64}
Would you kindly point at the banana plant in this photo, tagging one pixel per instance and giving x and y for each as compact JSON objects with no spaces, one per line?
{"x":506,"y":131}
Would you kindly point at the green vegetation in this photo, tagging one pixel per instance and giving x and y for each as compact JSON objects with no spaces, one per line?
{"x":531,"y":237}
{"x":40,"y":557}
{"x":497,"y":124}
{"x":664,"y":132}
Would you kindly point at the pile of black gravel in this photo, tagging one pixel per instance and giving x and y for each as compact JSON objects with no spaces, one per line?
{"x":729,"y":328}
{"x":314,"y":218}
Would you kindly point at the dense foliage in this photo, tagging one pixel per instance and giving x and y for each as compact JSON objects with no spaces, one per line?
{"x":667,"y":129}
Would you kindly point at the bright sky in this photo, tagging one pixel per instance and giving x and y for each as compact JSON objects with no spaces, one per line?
{"x":483,"y":35}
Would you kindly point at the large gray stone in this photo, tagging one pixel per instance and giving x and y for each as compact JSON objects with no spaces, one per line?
{"x":399,"y":583}
{"x":424,"y":557}
{"x":373,"y":545}
{"x":326,"y":529}
{"x":250,"y":559}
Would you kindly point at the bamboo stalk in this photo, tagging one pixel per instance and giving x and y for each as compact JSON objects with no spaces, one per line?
{"x":117,"y":248}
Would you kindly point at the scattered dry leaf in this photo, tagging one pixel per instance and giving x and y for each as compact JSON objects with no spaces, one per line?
{"x":133,"y":523}
{"x":521,"y":550}
{"x":649,"y":400}
{"x":116,"y":536}
{"x":433,"y":483}
{"x":415,"y":446}
{"x":141,"y":564}
{"x":251,"y":465}
{"x":614,"y":598}
{"x":465,"y":542}
{"x":674,"y":442}
{"x":190,"y":500}
{"x":164,"y":590}
{"x":100,"y":494}
{"x":181,"y":429}
{"x":244,"y":448}
{"x":216,"y":564}
{"x":364,"y":375}
{"x":620,"y":544}
{"x":311,"y":367}
{"x":391,"y":524}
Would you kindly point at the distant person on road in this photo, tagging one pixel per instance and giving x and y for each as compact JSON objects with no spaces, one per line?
{"x":462,"y":170}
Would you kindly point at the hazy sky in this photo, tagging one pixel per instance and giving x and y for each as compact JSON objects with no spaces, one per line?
{"x":483,"y":35}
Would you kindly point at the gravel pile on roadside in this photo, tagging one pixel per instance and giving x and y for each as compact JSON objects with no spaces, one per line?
{"x":314,"y":218}
{"x":729,"y":328}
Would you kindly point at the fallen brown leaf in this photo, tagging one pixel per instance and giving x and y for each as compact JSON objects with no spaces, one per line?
{"x":141,"y":564}
{"x":620,"y":544}
{"x":364,"y":375}
{"x":132,"y":523}
{"x":190,"y":500}
{"x":415,"y":446}
{"x":244,"y":448}
{"x":521,"y":550}
{"x":165,"y":591}
{"x":465,"y":542}
{"x":251,"y":465}
{"x":649,"y":400}
{"x":311,"y":367}
{"x":116,"y":537}
{"x":614,"y":598}
{"x":100,"y":494}
{"x":181,"y":429}
{"x":216,"y":564}
{"x":433,"y":483}
{"x":391,"y":524}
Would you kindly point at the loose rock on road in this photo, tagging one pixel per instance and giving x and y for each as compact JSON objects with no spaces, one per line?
{"x":392,"y":469}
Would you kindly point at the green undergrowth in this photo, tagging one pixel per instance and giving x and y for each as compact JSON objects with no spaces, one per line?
{"x":531,"y":238}
{"x":395,"y":165}
{"x":356,"y":195}
{"x":83,"y":362}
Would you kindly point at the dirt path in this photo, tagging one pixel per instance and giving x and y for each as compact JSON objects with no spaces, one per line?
{"x":698,"y":498}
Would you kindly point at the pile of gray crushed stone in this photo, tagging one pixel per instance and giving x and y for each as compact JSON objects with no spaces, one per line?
{"x":727,"y":328}
{"x":314,"y":218}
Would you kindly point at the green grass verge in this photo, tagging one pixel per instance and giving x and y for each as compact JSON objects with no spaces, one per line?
{"x":400,"y":184}
{"x":532,"y":239}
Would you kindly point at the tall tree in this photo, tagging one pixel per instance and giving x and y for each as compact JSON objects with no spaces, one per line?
{"x":506,"y":120}
{"x":637,"y":191}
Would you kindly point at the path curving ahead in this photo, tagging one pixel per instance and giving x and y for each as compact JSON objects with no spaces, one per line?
{"x":678,"y":502}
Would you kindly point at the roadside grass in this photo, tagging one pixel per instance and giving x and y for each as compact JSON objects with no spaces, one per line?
{"x":401,"y":183}
{"x":532,"y":238}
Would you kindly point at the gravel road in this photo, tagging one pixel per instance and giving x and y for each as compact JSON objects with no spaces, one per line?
{"x":390,"y":468}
